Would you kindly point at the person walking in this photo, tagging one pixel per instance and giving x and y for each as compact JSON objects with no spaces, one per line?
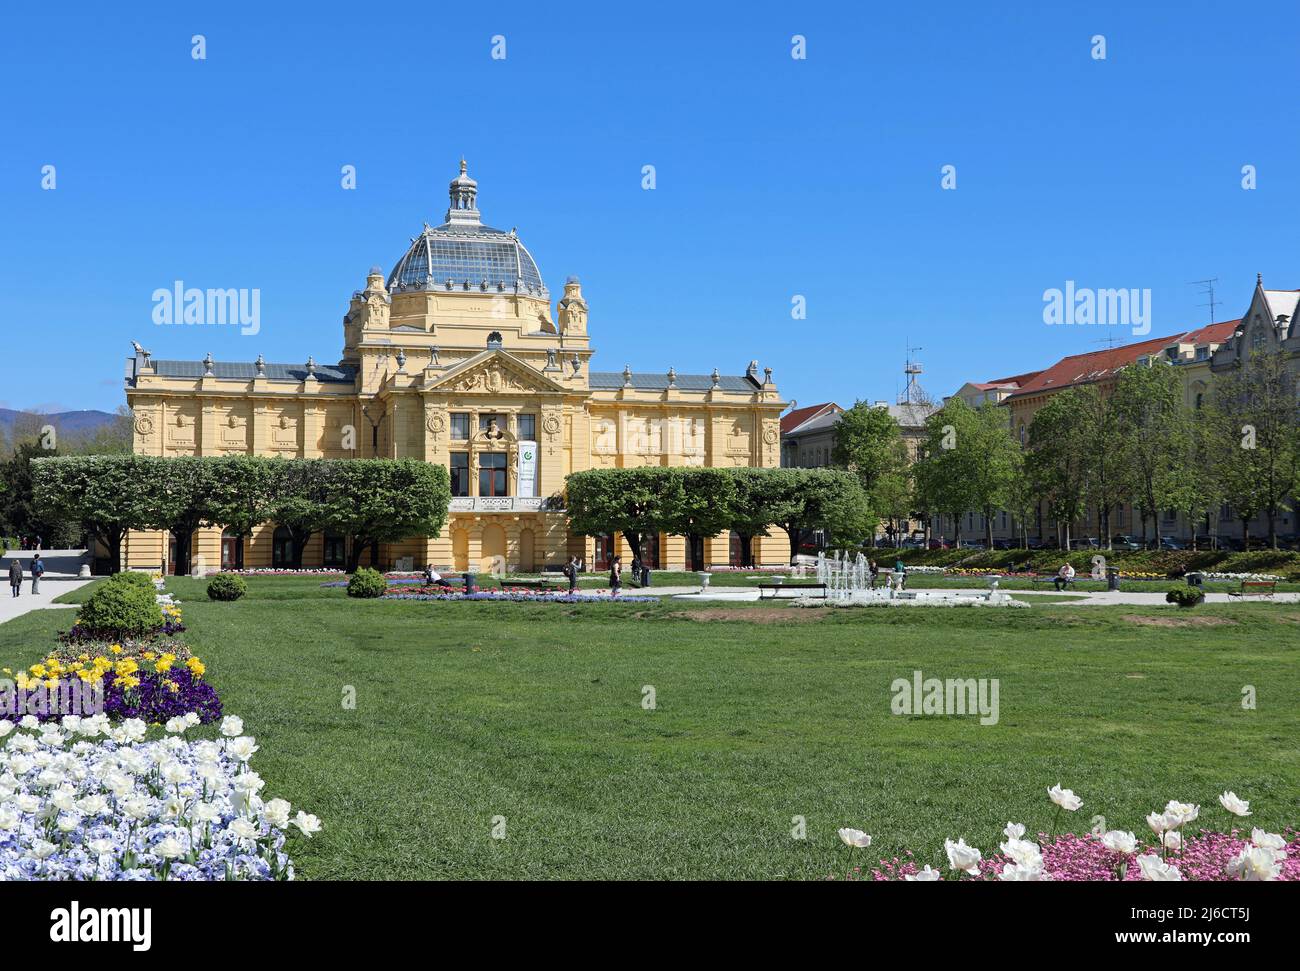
{"x":38,"y":571}
{"x":615,"y":576}
{"x":571,"y":574}
{"x":15,"y":577}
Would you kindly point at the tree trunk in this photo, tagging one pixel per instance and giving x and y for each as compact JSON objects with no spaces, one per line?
{"x":634,"y":544}
{"x":358,"y":546}
{"x":793,"y":534}
{"x":183,"y":542}
{"x":113,"y":541}
{"x":746,"y":549}
{"x":988,"y":528}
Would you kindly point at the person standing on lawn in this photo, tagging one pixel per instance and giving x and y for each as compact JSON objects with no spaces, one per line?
{"x":571,"y":574}
{"x":15,"y":577}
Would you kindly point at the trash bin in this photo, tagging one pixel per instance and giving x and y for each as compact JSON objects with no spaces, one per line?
{"x":1194,"y":579}
{"x":1112,"y":578}
{"x":469,"y":583}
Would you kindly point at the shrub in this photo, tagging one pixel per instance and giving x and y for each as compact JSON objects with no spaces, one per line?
{"x":226,"y":586}
{"x":367,"y":583}
{"x":121,"y":606}
{"x":1185,"y":596}
{"x":133,"y":578}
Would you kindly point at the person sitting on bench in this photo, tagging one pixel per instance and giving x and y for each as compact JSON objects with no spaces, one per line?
{"x":432,"y":576}
{"x":1063,"y":576}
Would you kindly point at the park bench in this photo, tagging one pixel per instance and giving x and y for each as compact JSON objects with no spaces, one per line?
{"x":800,"y":589}
{"x":1255,"y":588}
{"x":540,"y":585}
{"x":1051,"y":580}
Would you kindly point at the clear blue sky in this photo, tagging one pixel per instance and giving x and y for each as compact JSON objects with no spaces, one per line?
{"x":776,"y":177}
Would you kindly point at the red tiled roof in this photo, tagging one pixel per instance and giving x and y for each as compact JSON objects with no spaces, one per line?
{"x":1213,"y":334}
{"x":1084,"y":368}
{"x":794,"y":419}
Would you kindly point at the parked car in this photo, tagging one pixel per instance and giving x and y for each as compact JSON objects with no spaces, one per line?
{"x":1086,"y":543}
{"x":1003,"y":544}
{"x":1167,"y":543}
{"x":938,"y":544}
{"x":1125,"y":542}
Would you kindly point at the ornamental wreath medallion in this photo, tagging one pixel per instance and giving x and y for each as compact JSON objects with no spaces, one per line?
{"x":551,"y":425}
{"x":435,"y":423}
{"x":144,"y":425}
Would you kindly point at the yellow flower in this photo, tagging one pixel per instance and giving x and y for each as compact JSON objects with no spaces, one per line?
{"x":148,"y":655}
{"x":126,"y":666}
{"x":38,"y":670}
{"x":125,"y":681}
{"x":116,"y":649}
{"x":6,"y":670}
{"x":162,"y":664}
{"x":196,"y":667}
{"x":52,"y":682}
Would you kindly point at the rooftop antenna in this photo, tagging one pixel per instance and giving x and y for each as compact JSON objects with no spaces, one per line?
{"x":911,"y":368}
{"x":1111,"y":341}
{"x":1207,"y":289}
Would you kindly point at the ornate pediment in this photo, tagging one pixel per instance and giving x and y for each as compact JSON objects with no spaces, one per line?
{"x":495,"y":372}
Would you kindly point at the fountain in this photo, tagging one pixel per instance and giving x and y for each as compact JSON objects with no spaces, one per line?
{"x":848,"y":583}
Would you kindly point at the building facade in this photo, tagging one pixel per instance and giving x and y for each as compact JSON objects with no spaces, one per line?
{"x":458,"y":358}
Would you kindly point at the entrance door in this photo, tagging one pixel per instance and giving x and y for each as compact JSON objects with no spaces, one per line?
{"x":526,"y":561}
{"x":695,"y":553}
{"x":650,"y":552}
{"x":604,"y":551}
{"x":232,"y":552}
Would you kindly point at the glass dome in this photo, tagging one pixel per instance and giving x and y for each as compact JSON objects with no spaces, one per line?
{"x":464,"y":258}
{"x":464,"y":255}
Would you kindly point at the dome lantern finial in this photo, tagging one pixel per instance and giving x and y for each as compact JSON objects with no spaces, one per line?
{"x":463,"y":194}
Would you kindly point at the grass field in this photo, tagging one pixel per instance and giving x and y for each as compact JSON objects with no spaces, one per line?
{"x":533,"y":712}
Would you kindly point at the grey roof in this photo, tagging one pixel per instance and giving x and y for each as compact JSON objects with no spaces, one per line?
{"x":613,"y":380}
{"x":457,"y":257}
{"x":241,"y":371}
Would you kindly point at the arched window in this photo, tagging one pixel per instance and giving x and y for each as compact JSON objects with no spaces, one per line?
{"x":282,"y":548}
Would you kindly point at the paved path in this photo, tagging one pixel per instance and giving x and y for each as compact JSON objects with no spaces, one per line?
{"x":1096,"y":599}
{"x":11,"y":607}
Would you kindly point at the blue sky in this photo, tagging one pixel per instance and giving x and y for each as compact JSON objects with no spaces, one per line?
{"x":775,"y":176}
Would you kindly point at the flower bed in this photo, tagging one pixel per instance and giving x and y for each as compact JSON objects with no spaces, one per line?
{"x":267,"y":571}
{"x":515,"y":596}
{"x":1113,"y":855}
{"x":90,"y":800}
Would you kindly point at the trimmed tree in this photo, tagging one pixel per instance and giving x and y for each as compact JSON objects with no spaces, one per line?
{"x":634,"y":502}
{"x":382,"y":500}
{"x":107,"y":494}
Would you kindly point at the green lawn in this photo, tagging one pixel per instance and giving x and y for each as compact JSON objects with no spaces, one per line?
{"x":533,"y":712}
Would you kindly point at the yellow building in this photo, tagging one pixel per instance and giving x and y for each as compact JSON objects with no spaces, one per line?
{"x":458,"y":359}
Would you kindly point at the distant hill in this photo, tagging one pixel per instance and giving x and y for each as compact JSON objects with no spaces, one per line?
{"x":65,"y":421}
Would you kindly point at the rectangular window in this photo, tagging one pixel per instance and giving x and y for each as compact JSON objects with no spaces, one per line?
{"x":528,"y":428}
{"x":459,"y":426}
{"x":335,"y":550}
{"x":460,"y":473}
{"x":492,"y":474}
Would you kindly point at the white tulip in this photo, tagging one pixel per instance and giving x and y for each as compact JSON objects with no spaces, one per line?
{"x":231,"y":726}
{"x":962,"y":857}
{"x":276,"y":812}
{"x":1181,"y":812}
{"x":1021,"y":872}
{"x":1023,"y":852}
{"x":169,"y":848}
{"x":854,"y":837}
{"x":1172,"y":840}
{"x":41,"y":849}
{"x":242,"y":748}
{"x":1155,"y":869}
{"x":309,"y":824}
{"x":67,"y":822}
{"x":1119,"y":841}
{"x":6,"y":726}
{"x":1014,"y":831}
{"x":243,"y":829}
{"x":1270,"y":841}
{"x":1256,"y":863}
{"x":925,"y":875}
{"x":206,"y":812}
{"x":1230,"y":802}
{"x":1065,"y":798}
